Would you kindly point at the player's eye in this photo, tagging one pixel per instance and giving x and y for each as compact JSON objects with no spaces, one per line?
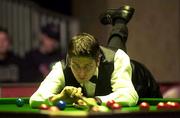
{"x":88,"y":67}
{"x":75,"y":66}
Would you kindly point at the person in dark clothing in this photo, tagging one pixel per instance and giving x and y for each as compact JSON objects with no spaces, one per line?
{"x":143,"y":81}
{"x":91,"y":72}
{"x":10,"y":63}
{"x":38,"y":62}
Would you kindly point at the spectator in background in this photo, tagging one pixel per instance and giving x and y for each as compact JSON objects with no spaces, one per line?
{"x":38,"y":62}
{"x":173,"y":92}
{"x":9,"y":62}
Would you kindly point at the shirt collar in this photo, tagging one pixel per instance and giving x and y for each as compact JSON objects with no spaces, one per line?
{"x":96,"y":72}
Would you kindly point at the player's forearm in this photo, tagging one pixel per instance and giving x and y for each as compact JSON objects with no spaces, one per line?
{"x":54,"y":99}
{"x":37,"y":104}
{"x":37,"y":99}
{"x":125,"y":98}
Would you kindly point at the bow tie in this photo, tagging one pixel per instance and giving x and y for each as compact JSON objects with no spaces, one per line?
{"x":93,"y":79}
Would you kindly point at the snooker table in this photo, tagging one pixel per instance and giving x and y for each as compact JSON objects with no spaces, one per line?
{"x":8,"y":109}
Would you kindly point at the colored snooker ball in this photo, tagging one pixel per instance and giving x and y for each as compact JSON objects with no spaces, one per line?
{"x":161,"y":106}
{"x":44,"y":107}
{"x":110,"y":103}
{"x":20,"y":102}
{"x":53,"y":108}
{"x":116,"y":106}
{"x":172,"y":105}
{"x":144,"y":106}
{"x":61,"y":105}
{"x":169,"y":104}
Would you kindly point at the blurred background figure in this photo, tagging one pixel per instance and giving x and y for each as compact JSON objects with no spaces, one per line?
{"x":142,"y":79}
{"x":38,"y":61}
{"x":9,"y":62}
{"x":173,"y":92}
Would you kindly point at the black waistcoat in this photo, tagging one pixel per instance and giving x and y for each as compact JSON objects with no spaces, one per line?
{"x":103,"y":83}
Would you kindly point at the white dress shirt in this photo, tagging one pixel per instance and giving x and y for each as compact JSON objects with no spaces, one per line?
{"x":122,"y":87}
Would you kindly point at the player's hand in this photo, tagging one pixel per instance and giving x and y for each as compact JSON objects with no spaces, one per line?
{"x":73,"y":92}
{"x":69,"y":94}
{"x":87,"y":101}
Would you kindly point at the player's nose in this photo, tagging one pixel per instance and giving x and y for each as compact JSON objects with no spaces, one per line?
{"x":81,"y":73}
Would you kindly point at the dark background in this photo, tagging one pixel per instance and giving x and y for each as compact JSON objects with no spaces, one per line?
{"x":61,"y":6}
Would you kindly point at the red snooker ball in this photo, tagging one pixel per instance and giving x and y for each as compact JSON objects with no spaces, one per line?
{"x":169,"y":104}
{"x":161,"y":106}
{"x":116,"y":106}
{"x":110,"y":103}
{"x":173,"y":105}
{"x":144,"y":106}
{"x":176,"y":105}
{"x":44,"y":107}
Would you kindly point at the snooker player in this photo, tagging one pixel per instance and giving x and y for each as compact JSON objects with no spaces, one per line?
{"x":90,"y":71}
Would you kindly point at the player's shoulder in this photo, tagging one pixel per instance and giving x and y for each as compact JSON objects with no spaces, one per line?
{"x":107,"y":53}
{"x":120,"y":51}
{"x":121,"y":54}
{"x":57,"y":65}
{"x":111,"y":54}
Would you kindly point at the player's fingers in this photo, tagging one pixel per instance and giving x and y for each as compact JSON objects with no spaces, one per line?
{"x":72,"y":95}
{"x":81,"y":102}
{"x":69,"y":89}
{"x":79,"y":89}
{"x":79,"y":92}
{"x":80,"y":106}
{"x":55,"y":98}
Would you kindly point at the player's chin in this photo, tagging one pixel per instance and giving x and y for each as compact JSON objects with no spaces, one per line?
{"x":82,"y":80}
